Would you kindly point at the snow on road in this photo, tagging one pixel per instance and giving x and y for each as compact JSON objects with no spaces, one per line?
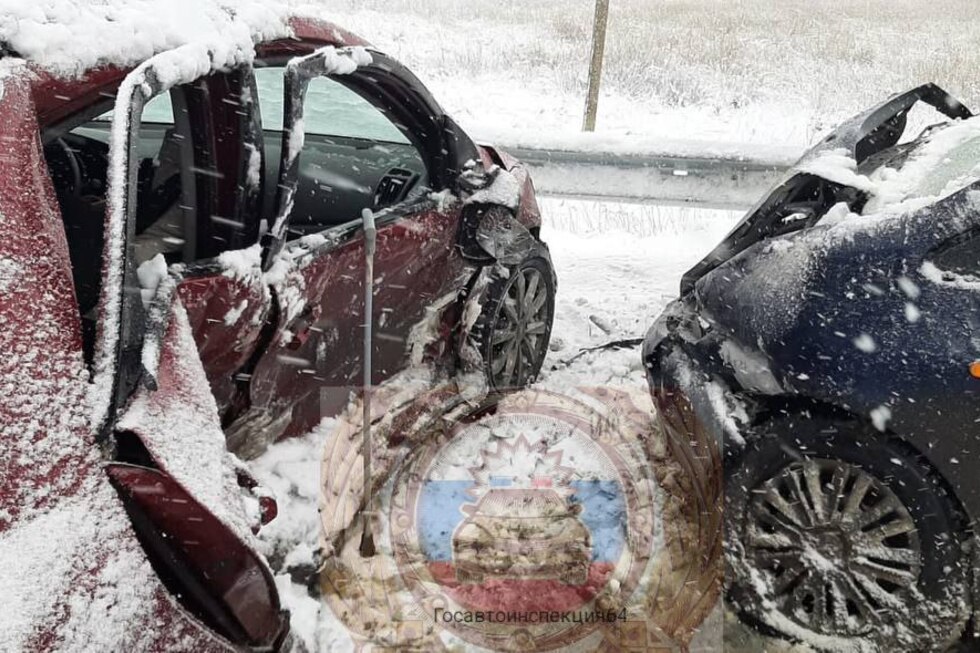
{"x":618,"y":265}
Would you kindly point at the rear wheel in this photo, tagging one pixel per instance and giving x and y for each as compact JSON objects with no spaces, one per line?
{"x":515,"y":325}
{"x":837,"y":536}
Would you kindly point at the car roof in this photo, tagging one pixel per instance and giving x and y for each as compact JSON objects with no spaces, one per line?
{"x":57,"y":95}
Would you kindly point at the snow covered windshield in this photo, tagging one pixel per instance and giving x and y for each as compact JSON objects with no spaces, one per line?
{"x":945,"y":161}
{"x":959,"y":168}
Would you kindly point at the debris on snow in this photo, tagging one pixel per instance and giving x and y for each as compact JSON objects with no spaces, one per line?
{"x":948,"y":278}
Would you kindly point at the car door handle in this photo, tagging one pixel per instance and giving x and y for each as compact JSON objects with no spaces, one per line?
{"x":303,"y":325}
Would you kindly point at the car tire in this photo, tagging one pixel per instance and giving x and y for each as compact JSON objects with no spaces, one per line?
{"x":514,"y":326}
{"x":879,"y":560}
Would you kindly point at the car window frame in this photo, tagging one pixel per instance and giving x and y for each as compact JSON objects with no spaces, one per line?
{"x":280,"y":67}
{"x":444,"y":155}
{"x":121,"y":354}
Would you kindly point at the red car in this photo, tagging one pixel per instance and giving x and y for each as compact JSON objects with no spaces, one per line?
{"x":181,"y":276}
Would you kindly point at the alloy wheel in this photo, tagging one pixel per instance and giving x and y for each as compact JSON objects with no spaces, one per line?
{"x":519,"y":337}
{"x":835,"y":545}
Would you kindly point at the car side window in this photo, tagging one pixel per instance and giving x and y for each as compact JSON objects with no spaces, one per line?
{"x":189,"y":165}
{"x":355,"y":155}
{"x":78,"y":162}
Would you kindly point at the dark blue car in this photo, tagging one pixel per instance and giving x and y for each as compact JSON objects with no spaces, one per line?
{"x":831,"y":346}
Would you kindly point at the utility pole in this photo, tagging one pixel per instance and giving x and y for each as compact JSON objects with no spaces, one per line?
{"x":595,"y":67}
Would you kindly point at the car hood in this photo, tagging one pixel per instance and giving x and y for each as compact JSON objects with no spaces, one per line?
{"x":836,"y":159}
{"x":849,"y":314}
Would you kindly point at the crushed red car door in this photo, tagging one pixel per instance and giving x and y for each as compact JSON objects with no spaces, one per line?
{"x":419,"y":273}
{"x":78,"y":578}
{"x":315,"y":365}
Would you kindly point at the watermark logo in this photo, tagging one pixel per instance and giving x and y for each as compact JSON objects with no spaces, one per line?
{"x":529,"y":522}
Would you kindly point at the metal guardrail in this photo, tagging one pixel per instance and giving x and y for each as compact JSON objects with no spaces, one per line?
{"x":715,"y":182}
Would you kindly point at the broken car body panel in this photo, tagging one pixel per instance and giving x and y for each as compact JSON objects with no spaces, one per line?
{"x":845,"y":318}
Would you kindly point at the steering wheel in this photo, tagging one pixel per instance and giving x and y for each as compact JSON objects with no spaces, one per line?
{"x":64,"y":149}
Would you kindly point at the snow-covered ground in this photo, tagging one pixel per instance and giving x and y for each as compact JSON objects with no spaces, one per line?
{"x":618,"y":265}
{"x":711,"y":71}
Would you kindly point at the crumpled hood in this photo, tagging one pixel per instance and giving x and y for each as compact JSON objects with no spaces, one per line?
{"x":835,"y":159}
{"x":829,"y":306}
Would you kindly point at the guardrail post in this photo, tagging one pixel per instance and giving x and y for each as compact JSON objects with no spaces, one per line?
{"x":595,"y":67}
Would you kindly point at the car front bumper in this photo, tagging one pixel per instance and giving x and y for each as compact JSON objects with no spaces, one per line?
{"x":677,"y":363}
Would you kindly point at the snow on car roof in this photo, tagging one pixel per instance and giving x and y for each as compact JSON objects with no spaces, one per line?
{"x":67,"y":38}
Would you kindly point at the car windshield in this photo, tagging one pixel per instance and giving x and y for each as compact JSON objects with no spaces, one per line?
{"x":959,"y":168}
{"x":945,"y":161}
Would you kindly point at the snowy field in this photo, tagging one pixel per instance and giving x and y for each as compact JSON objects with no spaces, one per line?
{"x":618,"y":265}
{"x":738,"y":71}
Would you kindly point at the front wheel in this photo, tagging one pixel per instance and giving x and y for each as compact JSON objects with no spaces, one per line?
{"x":842,"y":538}
{"x":514,"y":327}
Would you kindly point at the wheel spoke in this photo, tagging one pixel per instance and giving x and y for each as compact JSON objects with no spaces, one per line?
{"x":895,"y":555}
{"x":819,"y":531}
{"x":530,"y":294}
{"x":837,"y":482}
{"x":497,"y":364}
{"x":502,"y":336}
{"x":511,"y":364}
{"x":796,"y":487}
{"x":778,"y":556}
{"x":528,"y":358}
{"x":838,"y":611}
{"x":876,"y":513}
{"x":875,"y":591}
{"x":854,"y":499}
{"x":791,"y":511}
{"x":539,"y":301}
{"x":536,"y":328}
{"x":511,"y":310}
{"x":815,"y":586}
{"x":881,"y":572}
{"x":786,"y":580}
{"x":890,"y":529}
{"x":811,"y":473}
{"x":521,"y":288}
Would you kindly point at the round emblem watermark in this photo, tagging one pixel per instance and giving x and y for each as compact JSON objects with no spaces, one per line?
{"x":527,"y":522}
